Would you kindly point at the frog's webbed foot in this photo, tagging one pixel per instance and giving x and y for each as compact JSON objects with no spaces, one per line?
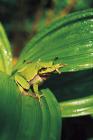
{"x":34,"y":95}
{"x":25,"y":92}
{"x":38,"y":96}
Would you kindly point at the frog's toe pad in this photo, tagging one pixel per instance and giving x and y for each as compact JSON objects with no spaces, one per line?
{"x":38,"y":96}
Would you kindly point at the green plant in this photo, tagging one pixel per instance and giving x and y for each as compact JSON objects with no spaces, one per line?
{"x":70,"y":40}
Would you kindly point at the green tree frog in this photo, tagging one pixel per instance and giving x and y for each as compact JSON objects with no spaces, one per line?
{"x":31,"y":75}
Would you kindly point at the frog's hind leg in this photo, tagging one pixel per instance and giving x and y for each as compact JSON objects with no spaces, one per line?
{"x":22,"y":84}
{"x":24,"y":87}
{"x":24,"y":92}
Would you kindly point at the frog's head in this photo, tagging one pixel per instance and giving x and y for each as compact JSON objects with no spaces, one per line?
{"x":50,"y":69}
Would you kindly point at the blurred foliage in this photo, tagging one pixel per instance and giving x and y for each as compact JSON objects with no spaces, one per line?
{"x":30,"y":16}
{"x":5,"y":52}
{"x":24,"y":118}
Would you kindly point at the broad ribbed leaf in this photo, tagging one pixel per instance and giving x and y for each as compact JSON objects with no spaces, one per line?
{"x":74,"y":91}
{"x":51,"y":129}
{"x":69,"y":39}
{"x":77,"y":94}
{"x":5,"y":52}
{"x":40,"y":121}
{"x":77,"y":107}
{"x":10,"y":108}
{"x":25,"y":118}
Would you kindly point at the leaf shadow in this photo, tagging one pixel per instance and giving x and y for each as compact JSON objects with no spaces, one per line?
{"x":70,"y":85}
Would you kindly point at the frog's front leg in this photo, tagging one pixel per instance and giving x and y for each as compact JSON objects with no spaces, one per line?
{"x":36,"y":91}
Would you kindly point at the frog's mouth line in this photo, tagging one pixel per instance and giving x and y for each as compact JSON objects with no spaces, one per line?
{"x":45,"y":75}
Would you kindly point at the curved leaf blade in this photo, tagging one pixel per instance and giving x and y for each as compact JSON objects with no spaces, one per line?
{"x":77,"y":98}
{"x":54,"y":123}
{"x":30,"y":120}
{"x":78,"y":107}
{"x":25,"y":117}
{"x":69,"y":39}
{"x":5,"y":52}
{"x":9,"y":108}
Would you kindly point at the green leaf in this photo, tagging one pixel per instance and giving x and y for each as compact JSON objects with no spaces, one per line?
{"x":78,"y":107}
{"x":40,"y":121}
{"x":10,"y":106}
{"x":74,"y":91}
{"x":52,"y":126}
{"x":70,"y":39}
{"x":77,"y":94}
{"x":25,"y":118}
{"x":5,"y":52}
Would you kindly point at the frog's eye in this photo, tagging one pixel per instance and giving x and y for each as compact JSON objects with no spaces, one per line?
{"x":42,"y":69}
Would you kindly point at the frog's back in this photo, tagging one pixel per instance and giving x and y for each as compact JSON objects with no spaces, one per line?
{"x":29,"y":71}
